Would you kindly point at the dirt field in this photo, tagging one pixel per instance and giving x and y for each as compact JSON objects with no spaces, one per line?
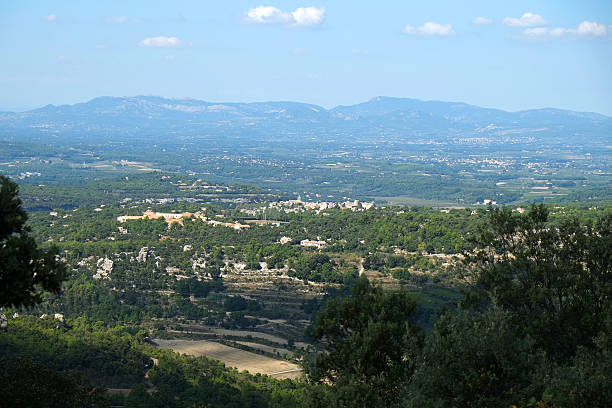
{"x":232,"y":357}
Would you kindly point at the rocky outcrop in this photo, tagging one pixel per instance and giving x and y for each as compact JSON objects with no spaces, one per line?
{"x":105,"y":267}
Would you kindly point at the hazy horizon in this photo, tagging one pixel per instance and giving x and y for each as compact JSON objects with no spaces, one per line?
{"x":27,"y":109}
{"x":524,"y":55}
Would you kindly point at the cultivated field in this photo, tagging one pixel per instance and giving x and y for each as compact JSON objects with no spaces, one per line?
{"x":233,"y":357}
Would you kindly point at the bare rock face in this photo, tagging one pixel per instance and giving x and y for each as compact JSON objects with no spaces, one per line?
{"x":187,"y":248}
{"x":105,"y":267}
{"x":61,"y":321}
{"x":172,"y":270}
{"x":3,"y":321}
{"x":144,"y":254}
{"x":198,"y":265}
{"x":85,"y":261}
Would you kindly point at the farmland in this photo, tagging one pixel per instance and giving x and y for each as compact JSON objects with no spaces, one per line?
{"x":233,"y":357}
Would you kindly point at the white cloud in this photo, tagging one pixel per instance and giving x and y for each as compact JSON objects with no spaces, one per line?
{"x":301,"y":17}
{"x":164,"y":42}
{"x":308,"y":16}
{"x":536,"y":32}
{"x":51,"y":18}
{"x":482,"y":21}
{"x":526,"y":20}
{"x":431,"y":28}
{"x":118,"y":20}
{"x":267,"y":15}
{"x":591,"y":28}
{"x":558,"y":32}
{"x":584,"y":29}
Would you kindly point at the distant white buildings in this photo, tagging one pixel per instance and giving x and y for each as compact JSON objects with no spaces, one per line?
{"x":311,"y":243}
{"x":486,"y":202}
{"x":298,"y":205}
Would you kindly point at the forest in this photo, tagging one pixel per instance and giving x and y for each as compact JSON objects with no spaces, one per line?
{"x":400,"y":307}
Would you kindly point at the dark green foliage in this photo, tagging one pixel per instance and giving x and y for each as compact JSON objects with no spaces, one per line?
{"x":27,"y":383}
{"x":534,"y":330}
{"x":313,"y":267}
{"x":318,"y":267}
{"x":555,"y":280}
{"x":12,"y":216}
{"x":236,"y":303}
{"x":585,"y":381}
{"x":26,"y":271}
{"x":139,"y":397}
{"x":538,"y":331}
{"x":107,"y":357}
{"x":370,"y":346}
{"x":183,"y":381}
{"x":475,"y":361}
{"x":199,"y":289}
{"x":45,"y":366}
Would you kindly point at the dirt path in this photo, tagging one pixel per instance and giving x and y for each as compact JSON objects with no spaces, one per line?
{"x":150,"y":387}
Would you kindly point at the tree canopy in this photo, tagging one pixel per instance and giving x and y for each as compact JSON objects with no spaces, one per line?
{"x":370,"y":346}
{"x":533,"y":329}
{"x":26,"y":270}
{"x":555,"y":280}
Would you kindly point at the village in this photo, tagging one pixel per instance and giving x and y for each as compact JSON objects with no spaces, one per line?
{"x":288,"y":206}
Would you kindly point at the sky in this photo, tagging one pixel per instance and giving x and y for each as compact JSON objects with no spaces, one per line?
{"x":509,"y":55}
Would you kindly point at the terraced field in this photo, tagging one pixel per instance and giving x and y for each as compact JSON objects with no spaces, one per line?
{"x":233,"y":357}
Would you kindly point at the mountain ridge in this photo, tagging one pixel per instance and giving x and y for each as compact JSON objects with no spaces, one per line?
{"x":379,"y":98}
{"x":398,"y":118}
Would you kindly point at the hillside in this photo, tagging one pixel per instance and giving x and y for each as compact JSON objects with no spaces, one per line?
{"x":400,"y":117}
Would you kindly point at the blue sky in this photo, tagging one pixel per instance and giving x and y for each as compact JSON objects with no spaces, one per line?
{"x":510,"y":55}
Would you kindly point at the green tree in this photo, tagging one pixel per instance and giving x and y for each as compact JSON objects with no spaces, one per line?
{"x":26,"y":270}
{"x":370,"y":346}
{"x":585,"y":381}
{"x":475,"y":360}
{"x":555,"y":279}
{"x":27,"y":383}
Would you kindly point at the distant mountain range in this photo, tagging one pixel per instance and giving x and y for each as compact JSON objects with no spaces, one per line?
{"x":398,"y":117}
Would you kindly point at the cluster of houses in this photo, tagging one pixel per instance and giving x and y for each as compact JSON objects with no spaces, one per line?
{"x":305,"y":242}
{"x":312,"y":243}
{"x":298,"y":205}
{"x":289,"y":206}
